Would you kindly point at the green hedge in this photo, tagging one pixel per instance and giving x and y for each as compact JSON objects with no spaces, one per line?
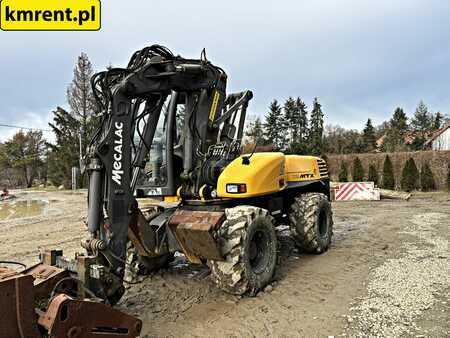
{"x":388,"y":181}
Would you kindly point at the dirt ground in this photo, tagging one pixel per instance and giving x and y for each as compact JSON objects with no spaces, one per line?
{"x":387,"y":274}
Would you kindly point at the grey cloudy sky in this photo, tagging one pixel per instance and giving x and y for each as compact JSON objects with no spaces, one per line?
{"x":361,"y":58}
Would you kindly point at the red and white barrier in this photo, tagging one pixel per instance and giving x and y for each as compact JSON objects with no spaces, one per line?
{"x":357,"y":191}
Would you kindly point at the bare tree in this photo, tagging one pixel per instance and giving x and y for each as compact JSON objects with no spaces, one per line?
{"x":80,"y":98}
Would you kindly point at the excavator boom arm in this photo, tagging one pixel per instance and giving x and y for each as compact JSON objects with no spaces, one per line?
{"x":113,"y":166}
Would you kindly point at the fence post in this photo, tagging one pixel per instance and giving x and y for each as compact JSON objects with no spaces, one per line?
{"x":75,"y":176}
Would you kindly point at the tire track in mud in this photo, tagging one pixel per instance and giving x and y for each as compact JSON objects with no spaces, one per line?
{"x":312,"y":294}
{"x":308,"y":298}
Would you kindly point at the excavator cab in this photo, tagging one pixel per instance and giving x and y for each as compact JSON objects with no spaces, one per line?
{"x":184,"y":140}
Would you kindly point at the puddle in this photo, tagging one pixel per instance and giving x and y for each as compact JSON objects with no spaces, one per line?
{"x":21,"y":209}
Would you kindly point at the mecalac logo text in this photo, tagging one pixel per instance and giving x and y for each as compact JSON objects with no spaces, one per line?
{"x":117,"y":170}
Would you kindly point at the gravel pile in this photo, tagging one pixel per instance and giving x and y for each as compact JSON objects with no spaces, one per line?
{"x":402,"y":288}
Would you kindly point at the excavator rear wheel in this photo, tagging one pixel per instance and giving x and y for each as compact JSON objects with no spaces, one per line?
{"x":144,"y":265}
{"x":311,"y":222}
{"x":150,"y":264}
{"x":248,"y":243}
{"x":137,"y":265}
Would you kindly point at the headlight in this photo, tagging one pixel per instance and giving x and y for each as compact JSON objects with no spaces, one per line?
{"x":236,"y":188}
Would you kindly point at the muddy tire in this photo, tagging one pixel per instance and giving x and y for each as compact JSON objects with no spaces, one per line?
{"x":248,"y":243}
{"x":311,"y":222}
{"x":136,"y":265}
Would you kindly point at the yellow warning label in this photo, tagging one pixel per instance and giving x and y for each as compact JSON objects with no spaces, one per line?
{"x":212,"y":113}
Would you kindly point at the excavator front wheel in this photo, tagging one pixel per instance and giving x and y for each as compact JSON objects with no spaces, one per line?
{"x":248,"y":242}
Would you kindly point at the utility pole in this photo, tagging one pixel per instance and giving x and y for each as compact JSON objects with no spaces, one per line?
{"x":81,"y":149}
{"x":76,"y":171}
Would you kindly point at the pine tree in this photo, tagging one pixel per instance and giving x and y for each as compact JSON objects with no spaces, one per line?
{"x":290,"y":115}
{"x":300,"y":134}
{"x":421,"y":122}
{"x":358,"y":170}
{"x":302,"y":120}
{"x":369,"y":138}
{"x":422,"y":119}
{"x":410,"y":176}
{"x":416,"y":173}
{"x":438,"y":118}
{"x":256,"y":132}
{"x":417,"y":143}
{"x":316,"y":128}
{"x":274,"y":127}
{"x":405,"y":179}
{"x":388,"y":179}
{"x":64,"y":153}
{"x":343,"y":173}
{"x":427,"y":182}
{"x":398,"y":127}
{"x":373,"y":174}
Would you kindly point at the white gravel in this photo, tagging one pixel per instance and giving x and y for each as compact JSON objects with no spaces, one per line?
{"x":402,"y":288}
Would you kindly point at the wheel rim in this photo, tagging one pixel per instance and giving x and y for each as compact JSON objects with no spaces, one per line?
{"x":323,"y":223}
{"x":258,"y":251}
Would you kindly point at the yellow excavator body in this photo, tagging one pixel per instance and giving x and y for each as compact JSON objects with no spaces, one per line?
{"x":266,"y":173}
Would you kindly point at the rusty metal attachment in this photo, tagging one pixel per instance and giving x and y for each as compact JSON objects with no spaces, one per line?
{"x":67,"y":317}
{"x":17,"y":316}
{"x":34,"y":303}
{"x":45,"y":279}
{"x":195,"y":231}
{"x":141,"y":236}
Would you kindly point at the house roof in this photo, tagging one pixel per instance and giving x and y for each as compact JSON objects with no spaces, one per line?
{"x":380,"y":141}
{"x":408,"y":138}
{"x":437,"y":134}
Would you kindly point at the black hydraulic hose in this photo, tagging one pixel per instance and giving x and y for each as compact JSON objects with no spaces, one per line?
{"x":80,"y":282}
{"x":14,"y":263}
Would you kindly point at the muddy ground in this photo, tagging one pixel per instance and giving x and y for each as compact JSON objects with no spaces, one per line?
{"x":387,"y":274}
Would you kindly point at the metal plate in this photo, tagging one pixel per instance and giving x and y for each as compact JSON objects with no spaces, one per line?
{"x":66,"y":317}
{"x":17,"y":316}
{"x":194,"y":231}
{"x":45,"y":278}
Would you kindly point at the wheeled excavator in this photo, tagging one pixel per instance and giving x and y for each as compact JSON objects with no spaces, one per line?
{"x":166,"y":175}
